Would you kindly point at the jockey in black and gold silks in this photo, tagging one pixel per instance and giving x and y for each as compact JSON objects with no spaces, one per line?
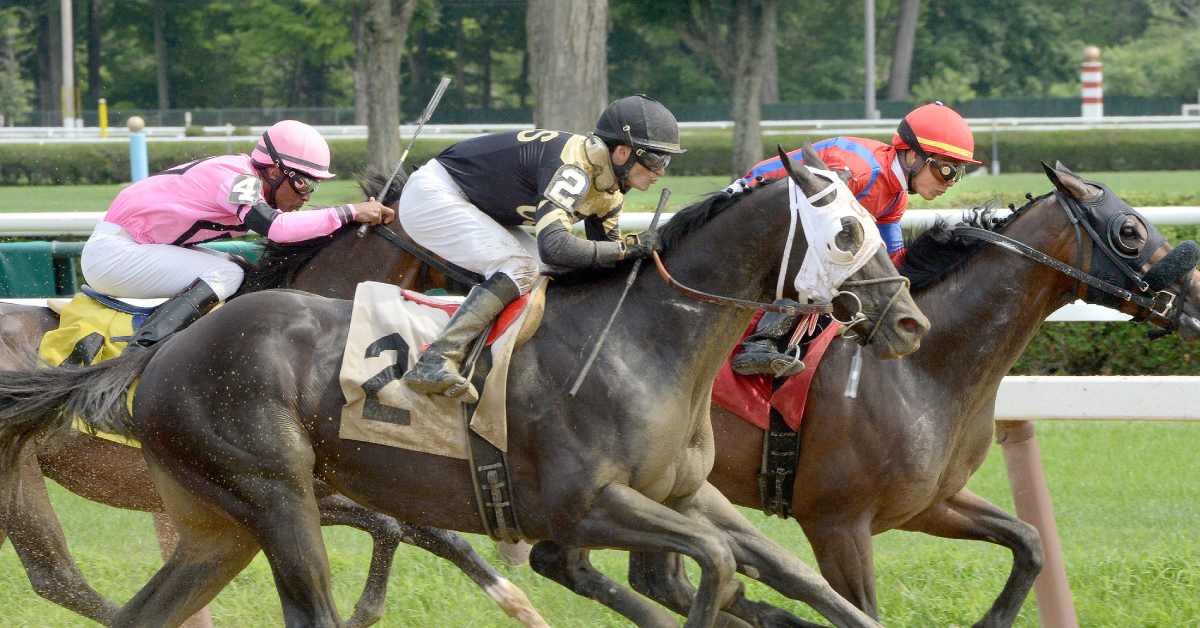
{"x":468,"y":203}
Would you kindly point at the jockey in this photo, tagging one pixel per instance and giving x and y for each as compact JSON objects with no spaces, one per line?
{"x":929,"y":153}
{"x":467,"y":204}
{"x":143,"y":248}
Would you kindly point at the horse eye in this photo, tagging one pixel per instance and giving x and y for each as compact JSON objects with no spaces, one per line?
{"x":850,"y":238}
{"x":1131,"y":236}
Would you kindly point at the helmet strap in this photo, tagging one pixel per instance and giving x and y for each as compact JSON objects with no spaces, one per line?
{"x":273,"y":183}
{"x":906,"y":133}
{"x":622,"y":171}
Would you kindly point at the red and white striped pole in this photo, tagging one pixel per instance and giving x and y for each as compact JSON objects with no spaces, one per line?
{"x":1091,"y":72}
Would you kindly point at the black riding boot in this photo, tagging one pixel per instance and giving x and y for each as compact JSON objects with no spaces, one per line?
{"x":762,"y":351}
{"x":176,"y":313}
{"x":437,"y":370}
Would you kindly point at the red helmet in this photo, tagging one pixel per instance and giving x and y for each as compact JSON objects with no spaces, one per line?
{"x":939,"y":130}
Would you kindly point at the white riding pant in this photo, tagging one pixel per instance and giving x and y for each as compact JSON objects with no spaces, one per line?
{"x":117,"y":265}
{"x":437,"y":214}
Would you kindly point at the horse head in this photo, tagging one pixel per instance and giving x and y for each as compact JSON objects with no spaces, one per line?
{"x":876,"y":303}
{"x":1130,"y":252}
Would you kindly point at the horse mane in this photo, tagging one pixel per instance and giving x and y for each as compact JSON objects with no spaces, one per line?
{"x":279,"y":261}
{"x":670,"y":234}
{"x":936,"y":253}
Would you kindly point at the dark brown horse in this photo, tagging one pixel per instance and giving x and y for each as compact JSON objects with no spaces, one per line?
{"x":622,"y":465}
{"x":899,"y":456}
{"x":116,"y":474}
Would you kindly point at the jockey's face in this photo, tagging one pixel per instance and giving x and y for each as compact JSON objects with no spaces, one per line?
{"x":927,"y":183}
{"x":286,"y":197}
{"x":640,"y":177}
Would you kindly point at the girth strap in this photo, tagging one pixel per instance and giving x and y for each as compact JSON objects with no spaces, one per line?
{"x":780,"y":456}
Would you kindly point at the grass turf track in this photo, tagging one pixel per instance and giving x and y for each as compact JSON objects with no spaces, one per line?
{"x":1139,"y":188}
{"x":1126,"y":497}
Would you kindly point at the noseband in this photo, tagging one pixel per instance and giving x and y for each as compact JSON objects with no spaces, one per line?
{"x":1160,"y":303}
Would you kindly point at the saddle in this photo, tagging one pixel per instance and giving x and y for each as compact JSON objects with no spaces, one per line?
{"x":776,"y":406}
{"x":93,"y":327}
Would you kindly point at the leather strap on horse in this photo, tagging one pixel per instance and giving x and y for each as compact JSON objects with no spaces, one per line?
{"x":744,"y":304}
{"x":489,"y":466}
{"x":1160,"y":304}
{"x":780,"y":455}
{"x":456,"y":273}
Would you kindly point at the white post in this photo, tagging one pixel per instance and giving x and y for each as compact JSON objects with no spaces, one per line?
{"x":1091,"y":72}
{"x":68,"y":64}
{"x":869,"y":56}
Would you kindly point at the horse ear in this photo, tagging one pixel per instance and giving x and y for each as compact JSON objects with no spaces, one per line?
{"x":812,"y":158}
{"x":1068,"y":183}
{"x":808,"y":182}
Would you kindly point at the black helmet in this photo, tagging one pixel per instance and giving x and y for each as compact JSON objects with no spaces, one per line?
{"x":642,"y":122}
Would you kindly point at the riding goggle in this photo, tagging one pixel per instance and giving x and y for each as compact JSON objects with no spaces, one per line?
{"x":655,"y":162}
{"x":301,"y":183}
{"x":949,"y":172}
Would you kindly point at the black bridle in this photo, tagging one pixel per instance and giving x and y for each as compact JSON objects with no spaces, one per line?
{"x":1108,"y":265}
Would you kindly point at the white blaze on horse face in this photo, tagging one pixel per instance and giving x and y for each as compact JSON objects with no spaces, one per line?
{"x":826,"y":265}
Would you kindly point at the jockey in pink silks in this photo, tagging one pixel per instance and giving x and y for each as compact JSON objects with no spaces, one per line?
{"x":144,"y":246}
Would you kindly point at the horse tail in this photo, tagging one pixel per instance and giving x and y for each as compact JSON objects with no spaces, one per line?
{"x":37,"y":401}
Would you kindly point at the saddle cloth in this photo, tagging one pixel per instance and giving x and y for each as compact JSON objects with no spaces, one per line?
{"x":90,"y":330}
{"x":750,"y":396}
{"x":388,"y":329}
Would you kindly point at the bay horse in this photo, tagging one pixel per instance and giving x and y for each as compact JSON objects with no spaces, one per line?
{"x":900,"y":454}
{"x":116,"y":475}
{"x":621,"y":465}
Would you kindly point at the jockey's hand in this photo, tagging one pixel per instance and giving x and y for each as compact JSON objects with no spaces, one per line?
{"x":372,"y":212}
{"x":639,"y":245}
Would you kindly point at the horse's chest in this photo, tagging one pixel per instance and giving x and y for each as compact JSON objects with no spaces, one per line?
{"x":666,"y":474}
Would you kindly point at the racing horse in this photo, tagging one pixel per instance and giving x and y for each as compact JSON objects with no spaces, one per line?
{"x":115,"y":474}
{"x":899,"y":455}
{"x":621,"y":465}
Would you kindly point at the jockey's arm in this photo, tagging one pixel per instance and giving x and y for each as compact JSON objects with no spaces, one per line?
{"x":558,"y":247}
{"x":296,"y":226}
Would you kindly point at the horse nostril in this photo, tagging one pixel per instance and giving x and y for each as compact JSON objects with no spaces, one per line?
{"x":910,"y":325}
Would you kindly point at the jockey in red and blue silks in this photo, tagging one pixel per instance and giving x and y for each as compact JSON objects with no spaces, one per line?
{"x":929,"y":153}
{"x":876,"y":178}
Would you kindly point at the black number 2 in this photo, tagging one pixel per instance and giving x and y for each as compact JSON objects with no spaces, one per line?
{"x":372,"y":409}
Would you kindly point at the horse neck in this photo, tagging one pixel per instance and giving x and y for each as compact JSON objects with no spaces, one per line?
{"x":735,"y":254}
{"x":336,"y":268}
{"x":987,"y":313}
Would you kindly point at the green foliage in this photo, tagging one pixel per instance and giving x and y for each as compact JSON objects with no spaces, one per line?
{"x":708,"y":154}
{"x":15,"y":89}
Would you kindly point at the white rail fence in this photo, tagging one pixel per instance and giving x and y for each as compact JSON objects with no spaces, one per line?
{"x":118,"y":132}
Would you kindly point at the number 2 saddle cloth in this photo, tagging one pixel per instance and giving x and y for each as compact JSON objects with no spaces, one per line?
{"x":389,"y":328}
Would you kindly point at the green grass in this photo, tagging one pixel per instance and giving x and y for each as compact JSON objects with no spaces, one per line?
{"x":1138,"y":188}
{"x":1125,"y":496}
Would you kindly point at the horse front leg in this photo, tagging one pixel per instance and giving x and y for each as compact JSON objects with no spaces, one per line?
{"x":662,"y":578}
{"x":620,"y":517}
{"x":764,"y":560}
{"x":843,"y":549}
{"x":966,"y":515}
{"x":29,"y":520}
{"x":571,"y":568}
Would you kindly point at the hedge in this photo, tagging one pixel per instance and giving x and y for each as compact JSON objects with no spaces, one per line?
{"x":708,"y":154}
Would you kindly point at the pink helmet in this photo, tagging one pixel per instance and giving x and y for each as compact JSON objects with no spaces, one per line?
{"x":296,"y":145}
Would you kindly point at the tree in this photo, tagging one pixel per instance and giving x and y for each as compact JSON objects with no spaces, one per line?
{"x":902,"y":51}
{"x":95,"y":9}
{"x":15,"y":89}
{"x":385,"y":28}
{"x":737,"y":36}
{"x":160,"y":55}
{"x":568,"y":65}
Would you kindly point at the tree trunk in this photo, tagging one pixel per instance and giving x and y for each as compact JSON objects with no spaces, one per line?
{"x":902,"y":54}
{"x":384,"y":28}
{"x":568,"y":64}
{"x":754,"y":34}
{"x":485,"y":70}
{"x":360,"y":65}
{"x":94,"y":88}
{"x":460,"y":65}
{"x":50,"y":65}
{"x":770,"y":81}
{"x":160,"y":55}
